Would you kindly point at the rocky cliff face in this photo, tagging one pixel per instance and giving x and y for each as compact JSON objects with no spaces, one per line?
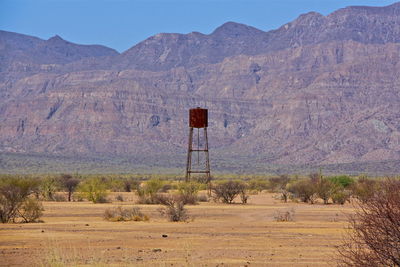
{"x":318,"y":90}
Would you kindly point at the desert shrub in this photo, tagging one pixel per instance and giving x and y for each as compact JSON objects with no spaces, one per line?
{"x":258,"y":185}
{"x":340,"y":196}
{"x":69,"y":184}
{"x":31,"y":210}
{"x":118,"y":214}
{"x":115,"y":184}
{"x":129,"y":184}
{"x":364,"y":188}
{"x":148,"y":191}
{"x":279,"y":184}
{"x":173,"y":208}
{"x":227,"y":191}
{"x":342,"y":180}
{"x":324,"y":189}
{"x":165,"y":187}
{"x":284,"y":216}
{"x":374,"y":235}
{"x":188,"y":192}
{"x":304,"y":190}
{"x":119,"y":198}
{"x":48,"y":187}
{"x":93,"y":189}
{"x":14,"y":192}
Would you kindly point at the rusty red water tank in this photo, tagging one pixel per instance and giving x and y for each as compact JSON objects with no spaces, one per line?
{"x":198,"y":117}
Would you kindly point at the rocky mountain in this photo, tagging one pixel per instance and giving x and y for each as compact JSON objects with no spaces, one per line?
{"x":318,"y":90}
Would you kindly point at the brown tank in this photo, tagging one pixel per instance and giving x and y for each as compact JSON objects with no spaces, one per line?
{"x":198,"y":118}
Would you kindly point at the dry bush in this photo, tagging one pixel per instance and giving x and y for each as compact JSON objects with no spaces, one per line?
{"x":119,"y":213}
{"x":31,"y":210}
{"x":365,"y":188}
{"x":373,"y":238}
{"x":341,"y":196}
{"x":119,"y":198}
{"x":284,"y":216}
{"x":174,"y":208}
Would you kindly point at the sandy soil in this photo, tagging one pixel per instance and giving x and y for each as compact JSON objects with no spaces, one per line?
{"x":75,"y":234}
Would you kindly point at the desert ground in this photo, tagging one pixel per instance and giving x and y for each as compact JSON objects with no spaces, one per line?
{"x":75,"y":234}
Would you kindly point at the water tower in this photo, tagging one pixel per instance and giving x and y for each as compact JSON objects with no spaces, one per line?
{"x":198,"y":162}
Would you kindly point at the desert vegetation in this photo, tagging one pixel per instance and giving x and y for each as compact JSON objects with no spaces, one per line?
{"x":365,"y":203}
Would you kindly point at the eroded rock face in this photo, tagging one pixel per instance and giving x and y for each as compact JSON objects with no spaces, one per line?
{"x":318,"y":90}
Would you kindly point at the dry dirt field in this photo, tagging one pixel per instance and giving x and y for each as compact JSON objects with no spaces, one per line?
{"x":75,"y":234}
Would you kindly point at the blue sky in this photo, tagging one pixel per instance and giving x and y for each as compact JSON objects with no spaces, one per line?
{"x":120,"y":24}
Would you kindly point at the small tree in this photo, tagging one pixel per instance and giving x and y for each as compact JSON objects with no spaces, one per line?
{"x":374,"y":236}
{"x":279,"y":184}
{"x":227,"y":191}
{"x":303,"y":189}
{"x":69,"y":183}
{"x":14,"y":192}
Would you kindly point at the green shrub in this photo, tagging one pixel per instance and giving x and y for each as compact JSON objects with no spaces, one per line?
{"x":147,"y":192}
{"x":188,"y":192}
{"x":342,"y":180}
{"x":93,"y":189}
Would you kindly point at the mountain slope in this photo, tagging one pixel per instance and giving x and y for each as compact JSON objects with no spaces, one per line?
{"x":318,"y":90}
